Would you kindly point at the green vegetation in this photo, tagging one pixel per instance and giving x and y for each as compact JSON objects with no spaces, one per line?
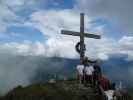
{"x":59,"y":90}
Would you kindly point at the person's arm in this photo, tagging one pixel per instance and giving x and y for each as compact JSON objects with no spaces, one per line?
{"x":90,"y":61}
{"x":99,"y":70}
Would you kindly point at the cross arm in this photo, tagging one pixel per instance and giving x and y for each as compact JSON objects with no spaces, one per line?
{"x":78,"y":34}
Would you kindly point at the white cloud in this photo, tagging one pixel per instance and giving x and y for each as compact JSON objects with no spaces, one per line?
{"x":126,"y":46}
{"x":10,"y":74}
{"x":25,"y":48}
{"x":126,"y":42}
{"x":20,"y":4}
{"x":51,"y":48}
{"x":9,"y":12}
{"x":51,"y":22}
{"x":61,"y":48}
{"x":117,"y":12}
{"x":64,"y":47}
{"x":6,"y":16}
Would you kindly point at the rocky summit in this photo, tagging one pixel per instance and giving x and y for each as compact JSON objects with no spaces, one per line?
{"x":53,"y":90}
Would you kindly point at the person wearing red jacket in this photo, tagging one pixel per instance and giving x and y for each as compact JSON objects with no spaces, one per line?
{"x":104,"y":82}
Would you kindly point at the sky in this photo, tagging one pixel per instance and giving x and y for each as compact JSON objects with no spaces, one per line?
{"x":34,"y":27}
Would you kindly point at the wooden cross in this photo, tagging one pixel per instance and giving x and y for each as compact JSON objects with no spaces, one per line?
{"x":82,"y":35}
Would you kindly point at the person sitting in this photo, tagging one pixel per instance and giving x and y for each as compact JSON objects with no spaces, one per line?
{"x":104,"y":82}
{"x":80,"y":69}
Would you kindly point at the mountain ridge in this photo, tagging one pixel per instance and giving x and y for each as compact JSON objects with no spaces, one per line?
{"x":25,"y":70}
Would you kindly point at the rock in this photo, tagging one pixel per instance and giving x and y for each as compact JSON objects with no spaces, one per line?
{"x":61,"y":90}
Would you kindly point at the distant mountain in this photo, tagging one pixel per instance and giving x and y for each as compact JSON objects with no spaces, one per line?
{"x":116,"y":68}
{"x":25,"y":70}
{"x":119,"y":69}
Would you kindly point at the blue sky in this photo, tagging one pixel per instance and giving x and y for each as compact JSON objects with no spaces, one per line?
{"x":40,"y":21}
{"x":20,"y":33}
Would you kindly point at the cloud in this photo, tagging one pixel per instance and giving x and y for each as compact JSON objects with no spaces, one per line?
{"x":126,"y":47}
{"x":101,"y":49}
{"x":17,"y":58}
{"x":15,"y":70}
{"x":61,"y":48}
{"x":51,"y":22}
{"x":19,"y":61}
{"x":9,"y":12}
{"x":25,"y":48}
{"x":6,"y":16}
{"x":16,"y":5}
{"x":51,"y":48}
{"x":117,"y":12}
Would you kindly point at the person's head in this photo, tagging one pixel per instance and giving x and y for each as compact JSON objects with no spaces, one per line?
{"x":86,"y":60}
{"x":81,"y":61}
{"x":97,"y":62}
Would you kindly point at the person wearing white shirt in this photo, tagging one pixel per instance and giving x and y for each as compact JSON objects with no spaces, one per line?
{"x":89,"y":74}
{"x":80,"y":72}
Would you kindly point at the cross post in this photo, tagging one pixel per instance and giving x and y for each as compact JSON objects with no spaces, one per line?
{"x":82,"y":35}
{"x":82,"y":52}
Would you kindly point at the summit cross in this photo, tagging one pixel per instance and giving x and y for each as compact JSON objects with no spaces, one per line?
{"x":82,"y":36}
